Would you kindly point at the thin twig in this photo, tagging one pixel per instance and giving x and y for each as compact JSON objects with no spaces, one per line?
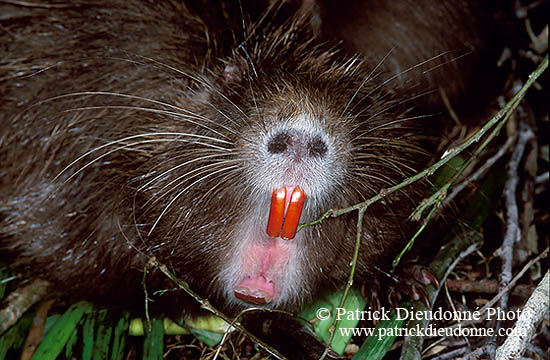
{"x":450,"y":254}
{"x":21,"y":300}
{"x":499,"y":119}
{"x":360,"y":216}
{"x":205,"y":304}
{"x":524,"y":329}
{"x":479,"y":172}
{"x":513,"y":233}
{"x":527,"y":266}
{"x":482,"y":311}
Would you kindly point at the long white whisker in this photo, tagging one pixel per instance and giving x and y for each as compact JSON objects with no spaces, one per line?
{"x":175,"y":168}
{"x":178,"y":110}
{"x":393,"y":105}
{"x":227,"y":177}
{"x":397,"y":75}
{"x":169,"y":67}
{"x":389,"y":123}
{"x":137,"y":143}
{"x":230,"y":119}
{"x":182,"y":192}
{"x":447,"y":62}
{"x":187,"y":118}
{"x":374,"y":177}
{"x":194,"y":78}
{"x":199,"y":171}
{"x":367,"y":78}
{"x":396,"y":163}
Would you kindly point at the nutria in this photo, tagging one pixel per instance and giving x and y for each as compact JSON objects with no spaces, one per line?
{"x":442,"y":46}
{"x":140,"y":129}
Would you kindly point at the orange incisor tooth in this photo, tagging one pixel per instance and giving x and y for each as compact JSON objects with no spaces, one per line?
{"x":293,"y":213}
{"x":276,"y":212}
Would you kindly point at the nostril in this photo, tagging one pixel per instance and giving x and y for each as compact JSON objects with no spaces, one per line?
{"x":297,"y":144}
{"x":317,"y":147}
{"x":279,"y":143}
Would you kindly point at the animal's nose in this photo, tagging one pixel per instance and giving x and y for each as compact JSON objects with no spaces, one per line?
{"x":297,"y":144}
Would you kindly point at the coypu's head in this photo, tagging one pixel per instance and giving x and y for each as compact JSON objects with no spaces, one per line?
{"x":158,"y":146}
{"x":281,"y":112}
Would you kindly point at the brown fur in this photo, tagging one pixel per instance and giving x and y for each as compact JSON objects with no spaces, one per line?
{"x":132,"y":130}
{"x":437,"y":46}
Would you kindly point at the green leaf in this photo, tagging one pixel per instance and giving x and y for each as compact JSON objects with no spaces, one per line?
{"x":135,"y":327}
{"x":13,"y":338}
{"x":153,"y":342}
{"x":378,"y":344}
{"x":54,"y":341}
{"x":209,"y":329}
{"x":103,"y":337}
{"x":172,"y":328}
{"x":88,"y":337}
{"x":119,"y":338}
{"x":70,"y":344}
{"x":446,"y":172}
{"x":211,"y":323}
{"x":354,"y":302}
{"x":50,"y":322}
{"x":208,"y":337}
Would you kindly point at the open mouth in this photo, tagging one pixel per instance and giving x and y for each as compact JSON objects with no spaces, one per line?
{"x":266,"y":260}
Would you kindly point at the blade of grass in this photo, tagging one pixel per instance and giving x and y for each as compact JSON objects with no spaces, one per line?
{"x":383,"y":337}
{"x":354,"y":304}
{"x":119,"y":338}
{"x":70,"y":344}
{"x":55,"y":340}
{"x":153,"y":342}
{"x":15,"y":336}
{"x":103,"y":338}
{"x":88,"y":337}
